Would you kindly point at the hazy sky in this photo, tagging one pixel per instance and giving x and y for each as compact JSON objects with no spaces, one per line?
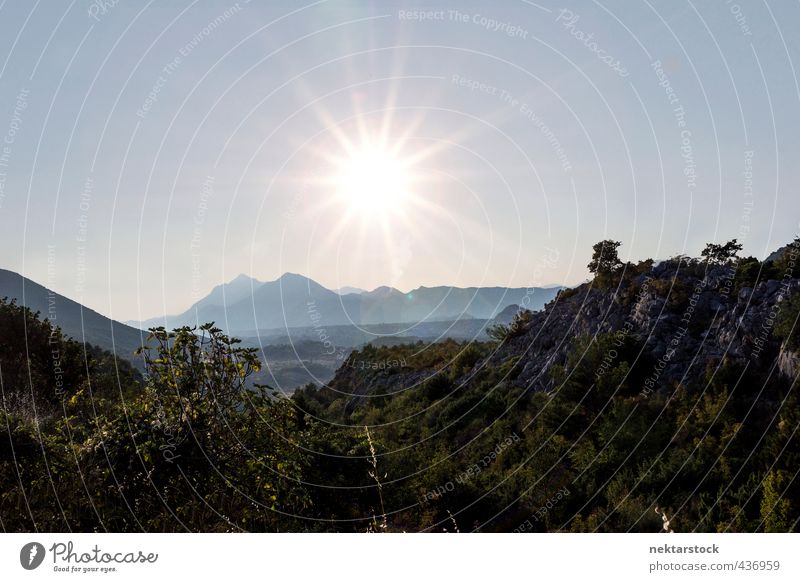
{"x":152,"y":150}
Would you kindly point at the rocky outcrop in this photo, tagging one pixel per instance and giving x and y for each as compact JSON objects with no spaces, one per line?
{"x":789,"y":363}
{"x":685,"y":315}
{"x":360,"y":378}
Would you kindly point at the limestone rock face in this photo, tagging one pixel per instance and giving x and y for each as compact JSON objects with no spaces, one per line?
{"x":788,"y":363}
{"x":691,"y":310}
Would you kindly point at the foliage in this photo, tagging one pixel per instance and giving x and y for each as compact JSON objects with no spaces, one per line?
{"x":567,"y":293}
{"x":183,"y":449}
{"x":721,"y":254}
{"x":787,"y":324}
{"x":748,"y":272}
{"x":605,"y":258}
{"x":517,"y":327}
{"x":775,"y":507}
{"x":618,"y":453}
{"x":415,"y":437}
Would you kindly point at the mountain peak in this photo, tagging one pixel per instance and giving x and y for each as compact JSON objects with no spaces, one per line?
{"x":244,"y":305}
{"x":242,"y":278}
{"x":384,"y":290}
{"x":349,"y":291}
{"x":292,"y":277}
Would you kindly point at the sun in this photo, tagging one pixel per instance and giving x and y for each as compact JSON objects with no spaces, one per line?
{"x":372,"y":179}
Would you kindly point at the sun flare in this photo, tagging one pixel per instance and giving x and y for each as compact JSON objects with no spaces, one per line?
{"x":372,"y":179}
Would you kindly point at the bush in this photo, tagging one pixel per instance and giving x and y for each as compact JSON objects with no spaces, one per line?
{"x":467,"y":358}
{"x":787,"y":326}
{"x":516,"y":328}
{"x":750,"y":271}
{"x":438,"y":386}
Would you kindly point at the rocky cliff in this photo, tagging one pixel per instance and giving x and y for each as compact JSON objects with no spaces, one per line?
{"x":684,"y":316}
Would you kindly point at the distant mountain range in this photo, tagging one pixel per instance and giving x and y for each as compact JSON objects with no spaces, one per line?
{"x":349,"y":290}
{"x":245,"y":305}
{"x":75,"y":320}
{"x":295,"y":312}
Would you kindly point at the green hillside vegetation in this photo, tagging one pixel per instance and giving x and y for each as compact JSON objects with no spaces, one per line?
{"x":454,"y":442}
{"x":618,"y":455}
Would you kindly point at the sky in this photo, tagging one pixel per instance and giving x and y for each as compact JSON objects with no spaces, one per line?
{"x":152,"y":150}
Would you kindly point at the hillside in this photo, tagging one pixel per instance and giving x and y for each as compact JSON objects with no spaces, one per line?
{"x":40,"y":367}
{"x":655,"y":388}
{"x":654,"y":391}
{"x":75,"y":320}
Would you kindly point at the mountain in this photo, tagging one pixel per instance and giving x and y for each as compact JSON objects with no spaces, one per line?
{"x":75,"y":320}
{"x":245,"y":305}
{"x":349,"y":291}
{"x":226,"y":294}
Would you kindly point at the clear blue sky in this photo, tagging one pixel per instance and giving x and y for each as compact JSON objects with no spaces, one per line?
{"x":152,"y":150}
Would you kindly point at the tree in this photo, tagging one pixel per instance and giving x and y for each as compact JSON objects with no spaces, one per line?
{"x":721,"y":254}
{"x":775,"y":506}
{"x":200,"y":376}
{"x":224,"y":452}
{"x":605,"y":259}
{"x":199,"y":364}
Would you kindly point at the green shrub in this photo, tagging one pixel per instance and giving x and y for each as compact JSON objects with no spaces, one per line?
{"x":787,"y":325}
{"x":518,"y":327}
{"x":437,"y":386}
